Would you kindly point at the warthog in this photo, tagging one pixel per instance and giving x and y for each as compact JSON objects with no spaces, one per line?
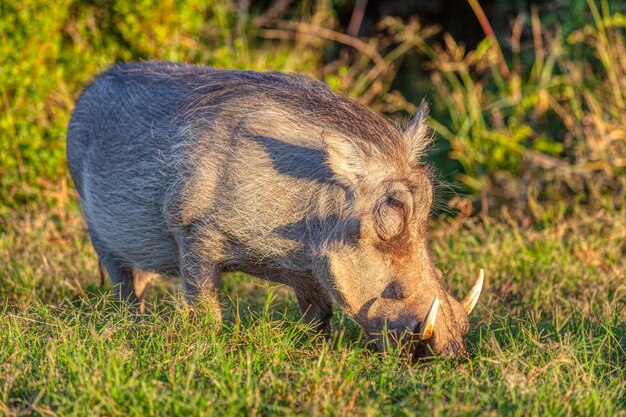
{"x":196,"y":171}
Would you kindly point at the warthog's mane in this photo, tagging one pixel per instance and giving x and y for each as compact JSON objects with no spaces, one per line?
{"x":309,"y":100}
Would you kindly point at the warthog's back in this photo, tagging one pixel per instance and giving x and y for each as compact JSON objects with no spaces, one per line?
{"x":118,"y":137}
{"x":129,"y":104}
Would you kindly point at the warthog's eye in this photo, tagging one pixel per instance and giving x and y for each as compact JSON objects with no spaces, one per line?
{"x":396,"y":204}
{"x":394,"y":291}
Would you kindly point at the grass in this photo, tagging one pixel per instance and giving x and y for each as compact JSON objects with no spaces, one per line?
{"x":548,"y":337}
{"x":539,"y":134}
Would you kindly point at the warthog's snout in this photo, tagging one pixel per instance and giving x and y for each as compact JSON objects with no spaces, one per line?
{"x":438,"y":331}
{"x":426,"y":330}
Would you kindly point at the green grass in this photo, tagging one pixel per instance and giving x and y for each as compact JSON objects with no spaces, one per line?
{"x":548,"y":337}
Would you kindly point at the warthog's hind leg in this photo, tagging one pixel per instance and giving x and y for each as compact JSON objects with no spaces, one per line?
{"x":201,"y":278}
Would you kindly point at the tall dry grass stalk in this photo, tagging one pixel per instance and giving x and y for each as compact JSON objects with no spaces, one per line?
{"x":549,"y":127}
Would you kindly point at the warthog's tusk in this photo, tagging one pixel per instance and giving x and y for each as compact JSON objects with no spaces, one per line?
{"x":428,"y":326}
{"x":472,"y":298}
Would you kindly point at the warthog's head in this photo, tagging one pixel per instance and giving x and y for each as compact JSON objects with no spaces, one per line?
{"x":382,"y":269}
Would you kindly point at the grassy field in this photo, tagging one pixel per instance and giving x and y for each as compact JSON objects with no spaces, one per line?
{"x":530,"y":128}
{"x":548,"y":337}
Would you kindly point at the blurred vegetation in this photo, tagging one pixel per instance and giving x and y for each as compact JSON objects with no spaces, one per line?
{"x":536,"y":118}
{"x":548,"y":124}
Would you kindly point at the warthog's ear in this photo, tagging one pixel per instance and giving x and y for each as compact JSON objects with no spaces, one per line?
{"x":419,"y":134}
{"x":392,"y":214}
{"x":347,"y":159}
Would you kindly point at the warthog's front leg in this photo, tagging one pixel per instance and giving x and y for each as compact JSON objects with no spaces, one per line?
{"x":201,"y":278}
{"x":316,"y":308}
{"x":129,"y":283}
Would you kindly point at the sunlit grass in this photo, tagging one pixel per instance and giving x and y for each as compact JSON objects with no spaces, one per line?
{"x":548,"y":336}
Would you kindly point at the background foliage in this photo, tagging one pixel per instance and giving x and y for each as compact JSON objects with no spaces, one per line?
{"x":534,"y":116}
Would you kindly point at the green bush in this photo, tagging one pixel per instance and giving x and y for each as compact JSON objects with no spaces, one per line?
{"x":35,"y":98}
